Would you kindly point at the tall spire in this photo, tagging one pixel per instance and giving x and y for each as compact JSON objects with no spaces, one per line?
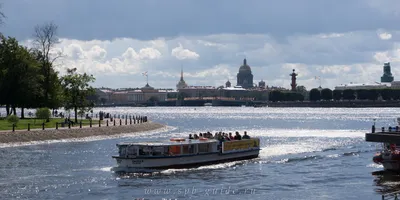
{"x":181,"y":84}
{"x":244,"y":61}
{"x":181,"y":73}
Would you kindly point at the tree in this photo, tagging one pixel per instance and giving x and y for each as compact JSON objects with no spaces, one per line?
{"x":301,"y":89}
{"x":386,"y":94}
{"x":315,"y":95}
{"x":2,"y":16}
{"x":326,"y":94}
{"x":19,"y":76}
{"x":373,"y":95}
{"x":43,"y":113}
{"x":45,"y":38}
{"x":396,"y":94}
{"x":362,"y":94}
{"x":337,"y":95}
{"x":276,"y":95}
{"x":76,"y":90}
{"x":348,"y":94}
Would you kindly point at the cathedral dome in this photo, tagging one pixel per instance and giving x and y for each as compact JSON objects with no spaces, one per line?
{"x":245,"y":68}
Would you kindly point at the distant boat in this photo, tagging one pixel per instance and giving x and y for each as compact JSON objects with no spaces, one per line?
{"x":208,"y":104}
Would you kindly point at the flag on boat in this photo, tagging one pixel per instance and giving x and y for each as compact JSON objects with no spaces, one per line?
{"x":144,"y":73}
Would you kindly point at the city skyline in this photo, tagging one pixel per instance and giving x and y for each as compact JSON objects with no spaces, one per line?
{"x":117,"y":45}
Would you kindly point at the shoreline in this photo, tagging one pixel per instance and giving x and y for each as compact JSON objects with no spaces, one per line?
{"x":75,"y":133}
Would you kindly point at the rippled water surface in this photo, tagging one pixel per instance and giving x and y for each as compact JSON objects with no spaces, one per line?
{"x":307,"y":153}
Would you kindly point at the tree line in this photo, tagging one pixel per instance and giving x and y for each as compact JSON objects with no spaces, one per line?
{"x":350,"y":94}
{"x":28,"y":78}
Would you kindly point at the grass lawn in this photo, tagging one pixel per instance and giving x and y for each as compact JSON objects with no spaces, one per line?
{"x":37,"y":123}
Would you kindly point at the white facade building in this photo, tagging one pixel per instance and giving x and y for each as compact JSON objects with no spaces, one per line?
{"x":358,"y":86}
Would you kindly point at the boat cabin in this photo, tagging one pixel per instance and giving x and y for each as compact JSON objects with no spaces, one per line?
{"x":173,"y":147}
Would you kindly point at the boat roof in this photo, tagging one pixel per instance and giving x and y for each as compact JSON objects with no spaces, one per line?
{"x":169,"y":143}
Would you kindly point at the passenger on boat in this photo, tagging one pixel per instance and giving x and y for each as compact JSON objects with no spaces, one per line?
{"x":245,"y":136}
{"x":196,"y":137}
{"x":201,"y":135}
{"x":190,"y":137}
{"x":237,"y":136}
{"x":226,"y":137}
{"x":231,"y":137}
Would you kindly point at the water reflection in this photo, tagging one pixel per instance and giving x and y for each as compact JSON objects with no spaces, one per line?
{"x":386,"y":182}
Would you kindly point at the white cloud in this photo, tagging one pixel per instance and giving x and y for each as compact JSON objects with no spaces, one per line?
{"x":149,"y":53}
{"x":96,"y":53}
{"x":330,"y":35}
{"x":182,"y":54}
{"x":385,"y":36}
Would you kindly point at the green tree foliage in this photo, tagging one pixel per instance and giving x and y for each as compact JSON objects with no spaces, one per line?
{"x":19,"y":78}
{"x":76,"y":90}
{"x":362,"y":94}
{"x":337,"y":95}
{"x":396,"y":94}
{"x":326,"y":94}
{"x":373,"y":95}
{"x":43,"y":113}
{"x":181,"y":96}
{"x":348,"y":94}
{"x":315,"y":94}
{"x":386,"y":94}
{"x":276,"y":95}
{"x":12,"y":119}
{"x":50,"y":83}
{"x":301,"y":89}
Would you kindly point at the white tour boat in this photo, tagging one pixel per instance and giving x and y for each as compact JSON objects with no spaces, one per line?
{"x":182,"y":153}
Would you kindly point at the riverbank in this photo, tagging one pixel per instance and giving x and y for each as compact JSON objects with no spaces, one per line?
{"x":53,"y":134}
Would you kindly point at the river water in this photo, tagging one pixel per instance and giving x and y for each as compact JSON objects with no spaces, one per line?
{"x":307,"y":153}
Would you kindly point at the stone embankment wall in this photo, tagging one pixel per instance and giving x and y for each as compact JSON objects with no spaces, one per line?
{"x":75,"y":132}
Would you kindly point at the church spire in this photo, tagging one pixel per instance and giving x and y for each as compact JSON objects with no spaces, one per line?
{"x":181,"y":73}
{"x":244,"y":61}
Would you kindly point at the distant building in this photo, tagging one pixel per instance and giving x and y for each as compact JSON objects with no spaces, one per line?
{"x":228,"y":84}
{"x":358,"y":86}
{"x":103,"y":94}
{"x":387,"y":76}
{"x":245,"y":77}
{"x":199,"y":91}
{"x":181,"y":84}
{"x":261,"y":84}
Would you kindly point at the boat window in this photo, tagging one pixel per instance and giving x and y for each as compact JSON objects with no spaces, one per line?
{"x":188,"y":149}
{"x":145,"y":151}
{"x":132,"y":150}
{"x":158,"y":151}
{"x":204,"y":148}
{"x":122,"y":150}
{"x":174,"y":150}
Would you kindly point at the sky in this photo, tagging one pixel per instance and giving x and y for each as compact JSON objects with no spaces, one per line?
{"x":340,"y":41}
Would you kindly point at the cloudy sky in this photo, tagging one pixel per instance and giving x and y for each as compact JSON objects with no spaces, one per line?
{"x":340,"y":41}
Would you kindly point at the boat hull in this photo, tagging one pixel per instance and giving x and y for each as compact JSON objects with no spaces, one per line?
{"x":185,"y":161}
{"x":390,"y":162}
